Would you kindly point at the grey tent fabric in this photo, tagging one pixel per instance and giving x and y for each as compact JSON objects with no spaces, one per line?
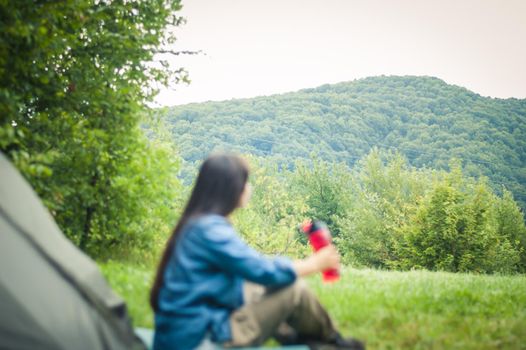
{"x":52,"y":296}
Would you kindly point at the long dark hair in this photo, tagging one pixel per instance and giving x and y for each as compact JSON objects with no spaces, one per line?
{"x":219,"y":185}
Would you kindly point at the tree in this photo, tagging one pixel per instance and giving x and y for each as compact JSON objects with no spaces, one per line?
{"x":325,"y":189}
{"x":510,"y":225}
{"x":75,"y":77}
{"x":384,"y":195}
{"x":456,"y":229}
{"x":271,"y":220}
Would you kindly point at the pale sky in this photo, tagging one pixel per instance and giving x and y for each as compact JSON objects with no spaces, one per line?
{"x":263,"y":47}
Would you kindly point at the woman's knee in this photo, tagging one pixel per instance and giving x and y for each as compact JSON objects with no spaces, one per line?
{"x":291,"y":295}
{"x":300,"y":286}
{"x":298,"y":290}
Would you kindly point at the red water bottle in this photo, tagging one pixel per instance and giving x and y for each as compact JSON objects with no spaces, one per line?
{"x":319,"y":237}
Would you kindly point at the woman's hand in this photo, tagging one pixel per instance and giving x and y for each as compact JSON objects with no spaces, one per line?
{"x":325,"y":258}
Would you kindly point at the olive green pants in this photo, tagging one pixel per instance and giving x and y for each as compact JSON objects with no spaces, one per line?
{"x":289,"y":313}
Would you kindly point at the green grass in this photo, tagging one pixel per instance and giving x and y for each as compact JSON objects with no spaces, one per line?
{"x":133,"y":284}
{"x":393,"y":310}
{"x":429,"y":310}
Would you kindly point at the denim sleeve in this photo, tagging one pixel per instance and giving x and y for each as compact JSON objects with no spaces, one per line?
{"x":220,"y":245}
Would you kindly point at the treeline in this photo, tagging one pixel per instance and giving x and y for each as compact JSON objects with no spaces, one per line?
{"x":387,"y":214}
{"x":425,"y":119}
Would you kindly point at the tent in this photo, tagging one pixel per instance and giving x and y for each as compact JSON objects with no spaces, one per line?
{"x":52,"y":296}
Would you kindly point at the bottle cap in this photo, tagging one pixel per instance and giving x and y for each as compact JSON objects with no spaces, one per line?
{"x":307,"y":226}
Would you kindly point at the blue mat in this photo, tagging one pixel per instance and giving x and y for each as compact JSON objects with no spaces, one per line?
{"x":146,"y":336}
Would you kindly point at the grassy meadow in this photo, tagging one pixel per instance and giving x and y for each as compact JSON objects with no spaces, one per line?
{"x":392,"y":310}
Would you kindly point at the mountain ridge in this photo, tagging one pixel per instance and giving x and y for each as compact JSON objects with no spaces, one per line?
{"x":308,"y":89}
{"x":425,"y":118}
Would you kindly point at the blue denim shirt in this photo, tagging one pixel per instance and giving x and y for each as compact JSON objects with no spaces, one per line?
{"x":203,"y":282}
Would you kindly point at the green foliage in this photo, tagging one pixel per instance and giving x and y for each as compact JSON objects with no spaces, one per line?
{"x":270,"y":221}
{"x":149,"y":197}
{"x":386,"y":191}
{"x":133,"y":284}
{"x":454,"y":229}
{"x":386,"y":214}
{"x":510,"y":225}
{"x":324,"y":188}
{"x":423,"y":118}
{"x":74,"y":81}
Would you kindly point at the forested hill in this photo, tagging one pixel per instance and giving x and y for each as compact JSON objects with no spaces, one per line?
{"x":424,"y":118}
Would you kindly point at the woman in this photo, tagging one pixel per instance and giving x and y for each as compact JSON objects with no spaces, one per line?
{"x":211,"y":285}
